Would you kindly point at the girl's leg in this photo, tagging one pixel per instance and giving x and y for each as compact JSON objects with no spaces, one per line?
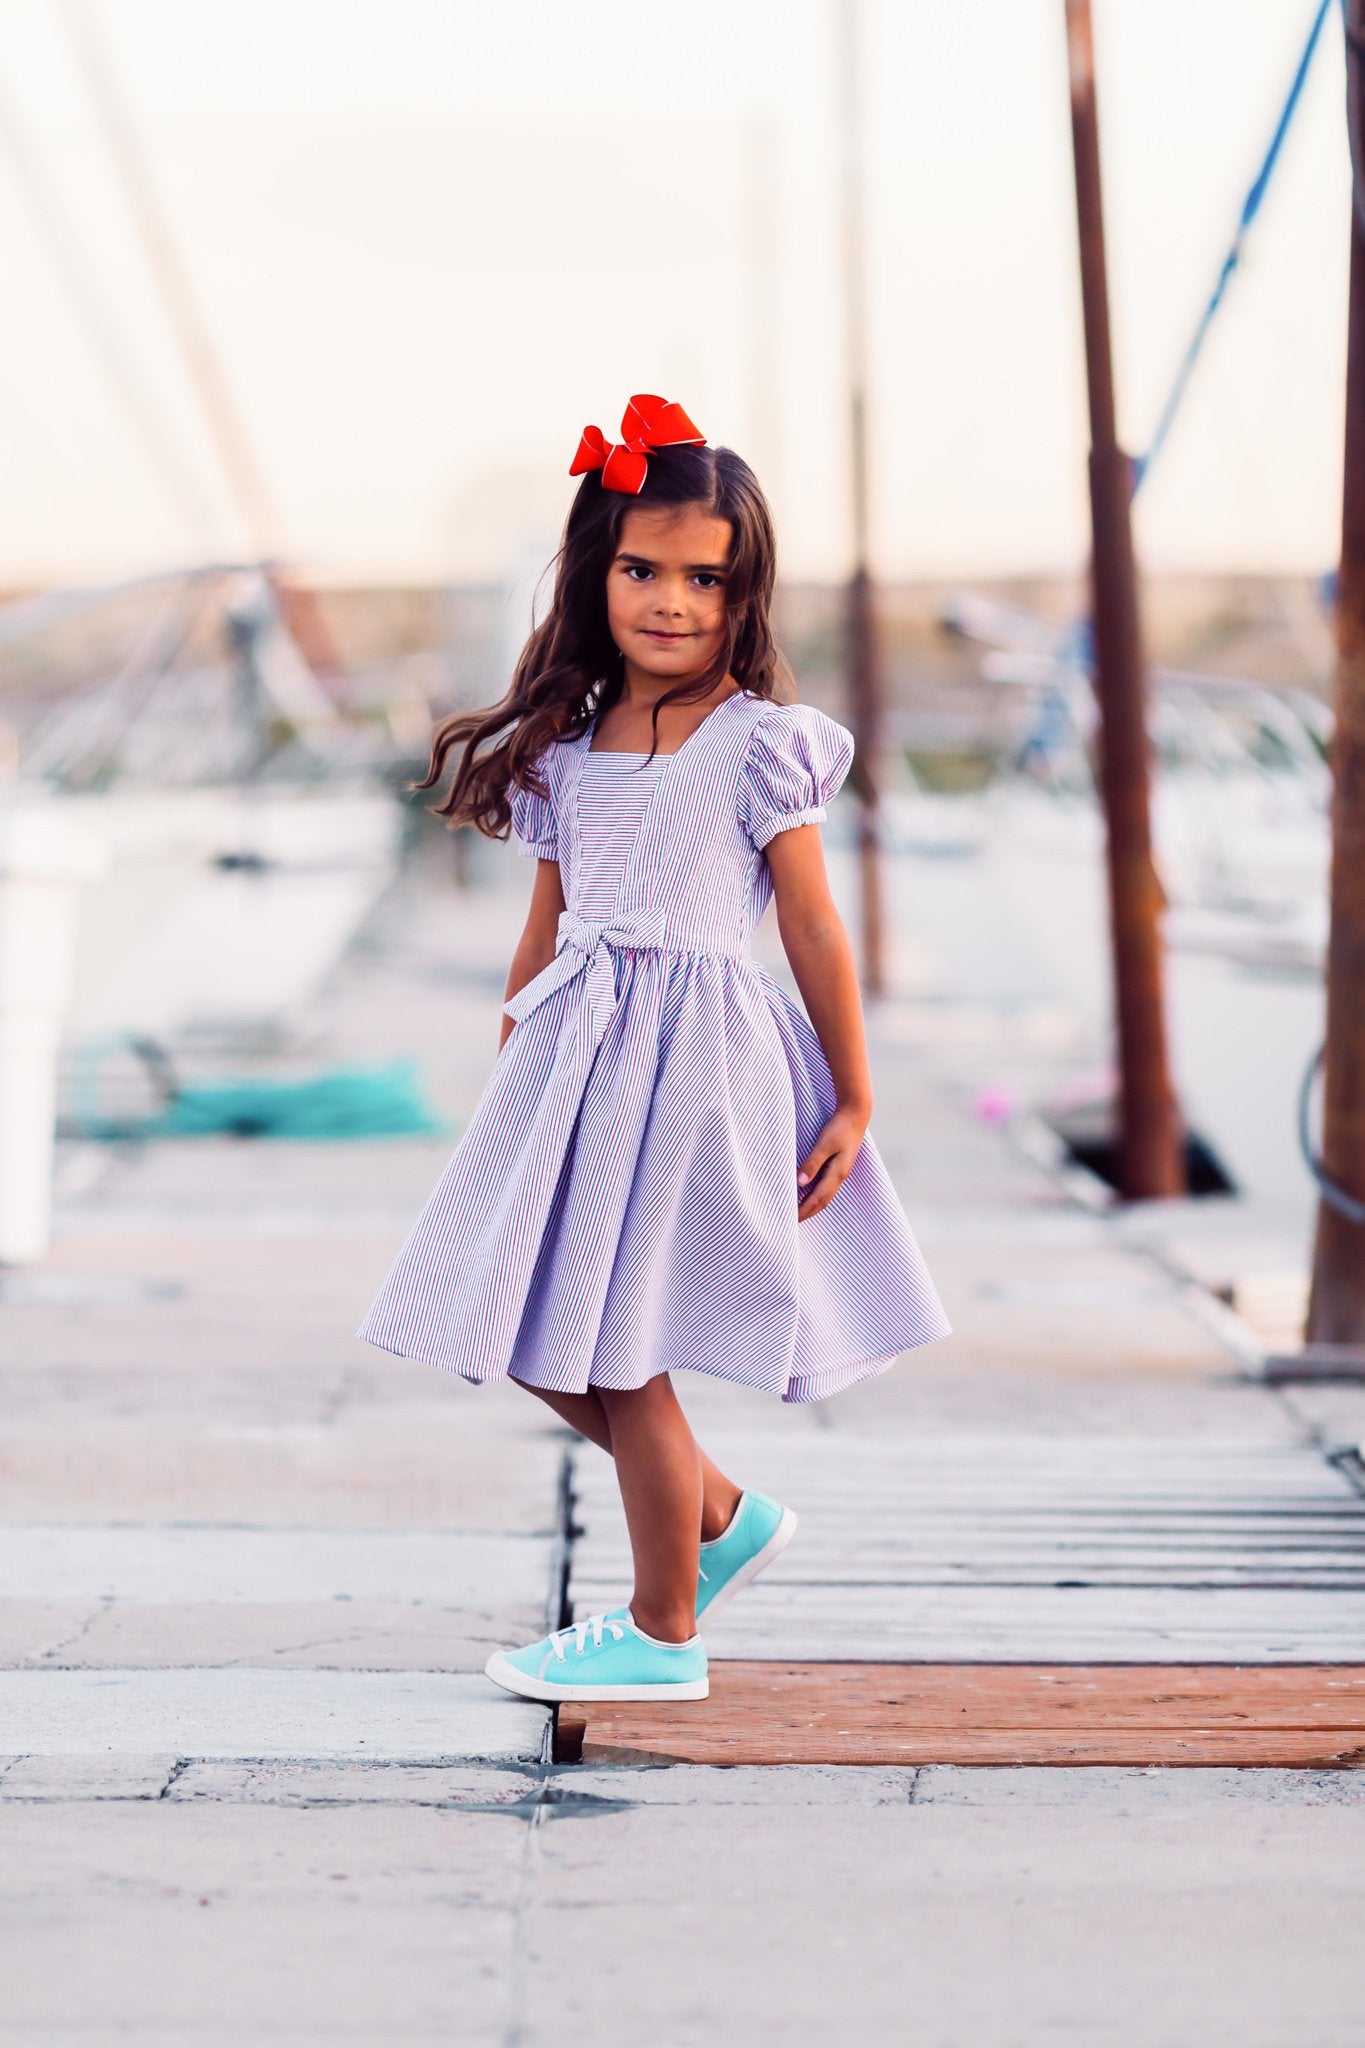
{"x":586,"y":1414}
{"x":658,"y":1468}
{"x":659,"y":1475}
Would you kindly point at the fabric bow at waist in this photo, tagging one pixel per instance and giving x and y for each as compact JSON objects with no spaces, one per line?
{"x":583,"y":945}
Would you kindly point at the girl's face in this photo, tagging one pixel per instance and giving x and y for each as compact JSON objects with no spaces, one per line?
{"x":666,"y":589}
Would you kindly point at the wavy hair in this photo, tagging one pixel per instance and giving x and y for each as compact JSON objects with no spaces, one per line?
{"x":571,"y":669}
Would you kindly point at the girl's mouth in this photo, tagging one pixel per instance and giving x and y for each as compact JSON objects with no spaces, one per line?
{"x":666,"y":639}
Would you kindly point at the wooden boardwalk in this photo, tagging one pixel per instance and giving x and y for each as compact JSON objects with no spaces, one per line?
{"x":1018,"y":1600}
{"x":1028,"y":1549}
{"x":1307,"y":1717}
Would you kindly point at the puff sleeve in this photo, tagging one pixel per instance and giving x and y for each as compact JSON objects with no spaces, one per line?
{"x":796,"y":763}
{"x":533,"y":817}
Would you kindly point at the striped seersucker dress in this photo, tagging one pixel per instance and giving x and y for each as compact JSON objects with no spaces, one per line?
{"x":623,"y":1201}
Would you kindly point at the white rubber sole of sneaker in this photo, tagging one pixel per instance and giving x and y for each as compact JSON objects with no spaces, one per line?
{"x":747,"y":1573}
{"x":504,"y":1673}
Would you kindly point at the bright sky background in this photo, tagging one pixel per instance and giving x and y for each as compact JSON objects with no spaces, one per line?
{"x":436,"y":237}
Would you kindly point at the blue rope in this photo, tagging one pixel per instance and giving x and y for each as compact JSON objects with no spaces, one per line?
{"x":1336,"y":1197}
{"x":1250,"y":208}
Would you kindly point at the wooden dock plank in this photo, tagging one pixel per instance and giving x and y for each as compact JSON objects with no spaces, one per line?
{"x":1297,"y":1717}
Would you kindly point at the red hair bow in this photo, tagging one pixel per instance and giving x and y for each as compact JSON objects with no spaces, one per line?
{"x":648,"y":424}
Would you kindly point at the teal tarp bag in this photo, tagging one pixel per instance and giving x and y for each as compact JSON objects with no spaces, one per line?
{"x":345,"y":1103}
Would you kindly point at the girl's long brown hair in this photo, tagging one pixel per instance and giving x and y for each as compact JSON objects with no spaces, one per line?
{"x":570,"y":669}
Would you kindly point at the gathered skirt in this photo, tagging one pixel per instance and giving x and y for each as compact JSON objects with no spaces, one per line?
{"x":603,"y":1220}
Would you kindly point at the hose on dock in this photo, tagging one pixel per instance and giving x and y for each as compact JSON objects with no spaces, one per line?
{"x":1336,"y":1197}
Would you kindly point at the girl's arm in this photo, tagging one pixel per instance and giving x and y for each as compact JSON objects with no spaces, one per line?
{"x":536,"y":946}
{"x":821,"y":957}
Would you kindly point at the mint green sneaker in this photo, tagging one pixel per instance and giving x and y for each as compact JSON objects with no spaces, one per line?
{"x":760,"y":1530}
{"x":605,"y":1657}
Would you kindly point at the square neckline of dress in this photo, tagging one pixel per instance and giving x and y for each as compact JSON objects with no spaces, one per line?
{"x":635,"y":754}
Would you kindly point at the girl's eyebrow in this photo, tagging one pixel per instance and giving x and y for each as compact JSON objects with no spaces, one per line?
{"x":644,"y":562}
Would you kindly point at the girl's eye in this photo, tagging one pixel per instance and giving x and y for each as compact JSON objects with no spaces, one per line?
{"x":708,"y":579}
{"x":636,"y":569}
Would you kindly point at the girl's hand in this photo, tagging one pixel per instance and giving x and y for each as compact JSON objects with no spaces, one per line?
{"x":827,"y":1165}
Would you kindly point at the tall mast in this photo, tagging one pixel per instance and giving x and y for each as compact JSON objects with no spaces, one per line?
{"x":1336,"y":1312}
{"x":1151,"y":1162}
{"x":213,"y":389}
{"x":866,"y":689}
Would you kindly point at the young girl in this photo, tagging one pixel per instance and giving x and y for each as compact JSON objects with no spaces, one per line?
{"x":669,"y":1168}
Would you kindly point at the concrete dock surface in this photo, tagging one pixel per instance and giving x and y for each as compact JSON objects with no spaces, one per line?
{"x":256,"y":1789}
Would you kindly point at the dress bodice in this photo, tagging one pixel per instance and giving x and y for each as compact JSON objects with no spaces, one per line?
{"x":693,"y":877}
{"x":614,"y":792}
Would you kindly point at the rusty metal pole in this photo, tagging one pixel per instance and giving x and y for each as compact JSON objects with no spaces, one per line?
{"x":866,"y":691}
{"x":1336,"y":1313}
{"x":1151,"y":1152}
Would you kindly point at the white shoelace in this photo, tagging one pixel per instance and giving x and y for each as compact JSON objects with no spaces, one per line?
{"x":579,"y":1631}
